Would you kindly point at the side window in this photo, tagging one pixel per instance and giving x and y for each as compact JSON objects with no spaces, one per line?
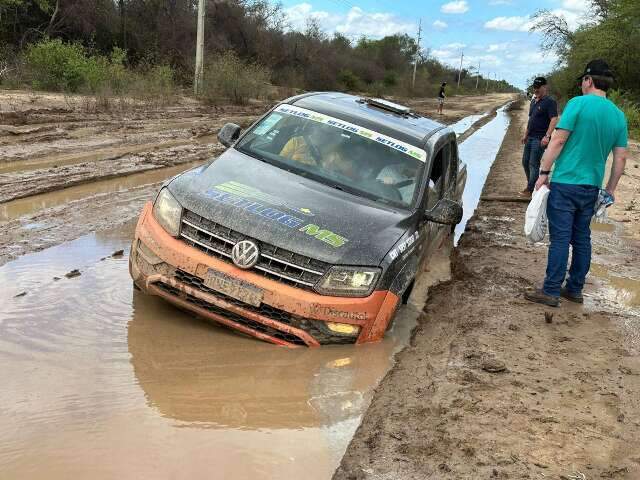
{"x":437,"y":178}
{"x":453,"y":165}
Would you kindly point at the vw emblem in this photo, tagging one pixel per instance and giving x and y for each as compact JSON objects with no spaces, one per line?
{"x":245,"y":254}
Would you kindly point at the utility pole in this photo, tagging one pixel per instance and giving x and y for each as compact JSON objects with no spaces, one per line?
{"x":487,"y":84}
{"x":199,"y":74}
{"x":415,"y":62}
{"x":478,"y":75}
{"x":460,"y":71}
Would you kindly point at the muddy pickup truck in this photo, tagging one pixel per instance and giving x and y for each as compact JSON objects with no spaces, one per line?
{"x":311,"y":227}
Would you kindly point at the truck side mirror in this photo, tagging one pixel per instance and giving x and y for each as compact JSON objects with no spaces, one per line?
{"x":446,"y":212}
{"x":229,"y":134}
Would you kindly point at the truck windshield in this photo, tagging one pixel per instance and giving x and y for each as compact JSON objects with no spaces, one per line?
{"x":337,"y":153}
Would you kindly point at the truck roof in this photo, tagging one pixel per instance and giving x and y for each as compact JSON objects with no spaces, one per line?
{"x":412,"y":129}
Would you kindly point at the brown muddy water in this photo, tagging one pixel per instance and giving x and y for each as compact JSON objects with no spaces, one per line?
{"x":101,"y":382}
{"x":29,"y":205}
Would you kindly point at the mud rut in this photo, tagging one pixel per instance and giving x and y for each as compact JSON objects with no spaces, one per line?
{"x":101,"y":381}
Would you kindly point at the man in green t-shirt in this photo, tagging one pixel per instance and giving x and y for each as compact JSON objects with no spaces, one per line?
{"x":590,"y":128}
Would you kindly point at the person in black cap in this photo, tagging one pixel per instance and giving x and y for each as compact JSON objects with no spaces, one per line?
{"x":441,"y":96}
{"x":543,"y":116}
{"x":590,"y":128}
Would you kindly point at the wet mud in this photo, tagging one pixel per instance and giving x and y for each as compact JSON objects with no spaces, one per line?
{"x":39,"y":155}
{"x":565,"y":400}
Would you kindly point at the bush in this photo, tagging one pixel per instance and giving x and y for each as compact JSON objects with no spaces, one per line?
{"x":348,"y":80}
{"x":229,"y":77}
{"x":631,"y":111}
{"x":55,"y":65}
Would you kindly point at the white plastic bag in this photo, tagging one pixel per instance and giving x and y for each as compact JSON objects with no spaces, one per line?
{"x":535,"y":221}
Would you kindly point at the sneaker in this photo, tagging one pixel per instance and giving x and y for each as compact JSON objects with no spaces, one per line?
{"x":538,"y":296}
{"x":572,"y":297}
{"x":525,"y":193}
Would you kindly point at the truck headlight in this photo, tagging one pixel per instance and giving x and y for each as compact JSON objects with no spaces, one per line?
{"x":349,"y":281}
{"x":168,"y":212}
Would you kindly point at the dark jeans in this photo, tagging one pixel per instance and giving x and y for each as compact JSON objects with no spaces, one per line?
{"x":531,"y":161}
{"x":569,"y":211}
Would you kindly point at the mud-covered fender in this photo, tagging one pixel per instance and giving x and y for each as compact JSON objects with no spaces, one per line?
{"x":401,"y":263}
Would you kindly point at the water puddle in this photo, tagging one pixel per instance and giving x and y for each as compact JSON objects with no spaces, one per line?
{"x":464,"y":124}
{"x":619,"y":290}
{"x":24,"y":206}
{"x":94,"y":371}
{"x":478,"y":152}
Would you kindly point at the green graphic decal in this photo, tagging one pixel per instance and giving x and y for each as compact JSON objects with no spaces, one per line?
{"x":326,"y":236}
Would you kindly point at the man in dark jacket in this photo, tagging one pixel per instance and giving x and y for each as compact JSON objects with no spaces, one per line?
{"x":543,"y":117}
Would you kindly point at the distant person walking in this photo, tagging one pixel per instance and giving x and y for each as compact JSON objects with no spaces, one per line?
{"x":543,"y":117}
{"x":590,"y":128}
{"x":441,"y":97}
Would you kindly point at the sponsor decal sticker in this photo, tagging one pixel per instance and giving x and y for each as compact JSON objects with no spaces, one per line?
{"x":404,"y":245}
{"x":398,"y":145}
{"x":242,"y":196}
{"x":338,"y":314}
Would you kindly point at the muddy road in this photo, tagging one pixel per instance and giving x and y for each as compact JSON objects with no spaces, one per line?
{"x":492,"y":386}
{"x":103,"y":382}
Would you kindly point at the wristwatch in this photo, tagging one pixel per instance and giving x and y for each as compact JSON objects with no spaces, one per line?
{"x":545,"y":172}
{"x":547,"y":136}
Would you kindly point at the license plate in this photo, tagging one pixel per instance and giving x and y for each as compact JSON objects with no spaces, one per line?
{"x":234,"y":288}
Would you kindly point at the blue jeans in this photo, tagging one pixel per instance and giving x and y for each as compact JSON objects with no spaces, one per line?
{"x":569,"y":211}
{"x":531,"y":161}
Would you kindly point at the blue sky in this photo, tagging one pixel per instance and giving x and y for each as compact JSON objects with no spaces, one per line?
{"x":492,"y":32}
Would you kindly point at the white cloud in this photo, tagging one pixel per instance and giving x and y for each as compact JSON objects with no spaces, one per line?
{"x":574,"y":18}
{"x":297,"y":15}
{"x":495,"y":3}
{"x":454,"y":46}
{"x":581,"y":6}
{"x":440,"y":25}
{"x":457,"y":6}
{"x":510,"y":24}
{"x":497,"y":47}
{"x":356,"y":22}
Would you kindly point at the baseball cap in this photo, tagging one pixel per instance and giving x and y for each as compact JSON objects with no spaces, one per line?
{"x":597,"y":67}
{"x":539,"y":81}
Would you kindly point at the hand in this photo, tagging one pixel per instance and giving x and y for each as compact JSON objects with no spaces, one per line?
{"x":542,"y":180}
{"x":523,"y":140}
{"x":545,"y":141}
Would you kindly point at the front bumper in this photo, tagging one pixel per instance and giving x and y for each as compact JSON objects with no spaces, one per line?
{"x":165,"y":266}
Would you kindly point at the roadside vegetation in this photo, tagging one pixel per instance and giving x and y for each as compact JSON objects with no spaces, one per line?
{"x":612,"y":32}
{"x":145,"y":49}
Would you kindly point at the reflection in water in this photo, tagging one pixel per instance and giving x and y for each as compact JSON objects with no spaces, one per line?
{"x":102,"y":382}
{"x":207,"y":376}
{"x":478,"y":152}
{"x":464,"y":124}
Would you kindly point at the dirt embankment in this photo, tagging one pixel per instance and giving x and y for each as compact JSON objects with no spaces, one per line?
{"x":493,"y":386}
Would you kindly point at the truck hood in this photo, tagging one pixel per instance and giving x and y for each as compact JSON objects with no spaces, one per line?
{"x":281,"y":208}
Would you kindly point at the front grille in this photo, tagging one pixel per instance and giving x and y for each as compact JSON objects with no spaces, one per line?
{"x":247,"y":322}
{"x":275,"y":262}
